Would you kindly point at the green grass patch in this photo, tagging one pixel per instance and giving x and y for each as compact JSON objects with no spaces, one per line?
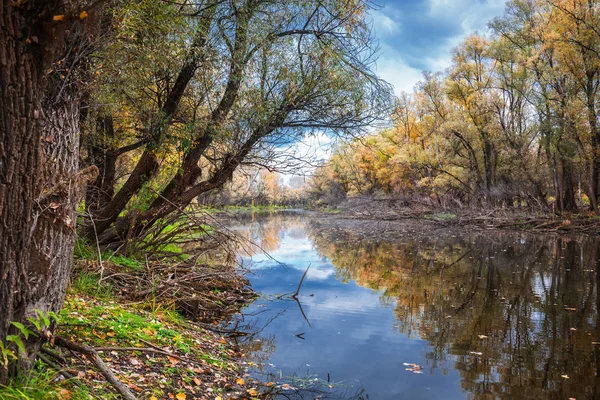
{"x":44,"y":384}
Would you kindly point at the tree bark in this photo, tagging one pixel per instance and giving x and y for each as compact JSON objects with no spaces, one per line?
{"x":39,"y":153}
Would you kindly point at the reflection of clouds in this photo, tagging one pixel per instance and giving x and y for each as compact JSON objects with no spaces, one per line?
{"x":343,"y":303}
{"x":295,"y":251}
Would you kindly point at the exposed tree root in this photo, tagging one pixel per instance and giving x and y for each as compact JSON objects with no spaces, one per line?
{"x":93,"y":356}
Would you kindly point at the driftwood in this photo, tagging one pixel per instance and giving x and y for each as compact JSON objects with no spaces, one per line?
{"x":93,"y":356}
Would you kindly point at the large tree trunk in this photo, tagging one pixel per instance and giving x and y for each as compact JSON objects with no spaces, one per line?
{"x":38,"y":165}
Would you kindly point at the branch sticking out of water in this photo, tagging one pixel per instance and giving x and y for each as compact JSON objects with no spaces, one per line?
{"x":295,"y":295}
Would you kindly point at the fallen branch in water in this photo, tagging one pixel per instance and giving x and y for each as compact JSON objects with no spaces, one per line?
{"x":295,"y":295}
{"x":93,"y":356}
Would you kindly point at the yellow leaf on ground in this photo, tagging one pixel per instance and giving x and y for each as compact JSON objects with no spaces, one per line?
{"x":252,"y":392}
{"x":58,"y":18}
{"x":83,"y":15}
{"x":240,"y":381}
{"x":218,"y":398}
{"x":152,"y":398}
{"x":180,"y":396}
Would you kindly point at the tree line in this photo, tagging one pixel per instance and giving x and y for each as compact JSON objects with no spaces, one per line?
{"x":513,"y":121}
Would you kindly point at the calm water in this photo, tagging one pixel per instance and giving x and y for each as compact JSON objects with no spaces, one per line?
{"x":486,"y":314}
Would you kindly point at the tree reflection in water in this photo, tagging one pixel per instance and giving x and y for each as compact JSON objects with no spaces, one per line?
{"x":515,"y":314}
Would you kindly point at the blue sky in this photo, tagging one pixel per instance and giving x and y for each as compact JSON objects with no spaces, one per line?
{"x":418,"y":35}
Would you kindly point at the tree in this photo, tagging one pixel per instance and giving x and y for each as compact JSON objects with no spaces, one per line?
{"x":41,"y":44}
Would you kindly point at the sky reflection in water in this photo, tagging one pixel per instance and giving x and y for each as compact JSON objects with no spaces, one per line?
{"x":502,"y":315}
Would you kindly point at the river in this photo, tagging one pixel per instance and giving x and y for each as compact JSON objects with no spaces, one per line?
{"x":412,"y":310}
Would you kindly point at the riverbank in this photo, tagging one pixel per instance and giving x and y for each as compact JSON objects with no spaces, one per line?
{"x":491,"y":218}
{"x":146,"y":330}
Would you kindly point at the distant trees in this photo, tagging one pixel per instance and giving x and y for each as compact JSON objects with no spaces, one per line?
{"x":513,"y":121}
{"x":253,"y":186}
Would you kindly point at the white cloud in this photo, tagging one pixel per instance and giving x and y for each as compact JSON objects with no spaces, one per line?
{"x":383,"y":24}
{"x":472,"y":16}
{"x":395,"y":70}
{"x":394,"y":66}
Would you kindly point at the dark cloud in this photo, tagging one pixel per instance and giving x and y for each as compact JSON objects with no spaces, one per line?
{"x":418,"y":35}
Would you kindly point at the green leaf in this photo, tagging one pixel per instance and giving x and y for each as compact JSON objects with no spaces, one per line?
{"x":44,"y":318}
{"x":16,"y":340}
{"x":54,"y":316}
{"x":36,"y":323}
{"x":24,"y":331}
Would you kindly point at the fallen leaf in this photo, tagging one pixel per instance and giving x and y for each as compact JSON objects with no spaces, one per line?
{"x":58,"y":18}
{"x":252,"y":392}
{"x":153,"y":398}
{"x":565,"y":376}
{"x":180,"y":396}
{"x":197,"y":381}
{"x":482,"y":336}
{"x":83,"y":15}
{"x":269,"y":384}
{"x":240,"y":381}
{"x":218,"y":398}
{"x":135,"y":387}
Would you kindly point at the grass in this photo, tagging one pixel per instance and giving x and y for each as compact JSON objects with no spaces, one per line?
{"x":43,"y":383}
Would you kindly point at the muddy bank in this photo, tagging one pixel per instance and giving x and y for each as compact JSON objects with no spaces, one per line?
{"x":391,"y":210}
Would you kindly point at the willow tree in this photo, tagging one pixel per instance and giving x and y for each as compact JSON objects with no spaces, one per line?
{"x":41,"y":43}
{"x":251,"y":76}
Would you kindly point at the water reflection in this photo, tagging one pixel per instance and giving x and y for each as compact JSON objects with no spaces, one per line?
{"x":489,"y":315}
